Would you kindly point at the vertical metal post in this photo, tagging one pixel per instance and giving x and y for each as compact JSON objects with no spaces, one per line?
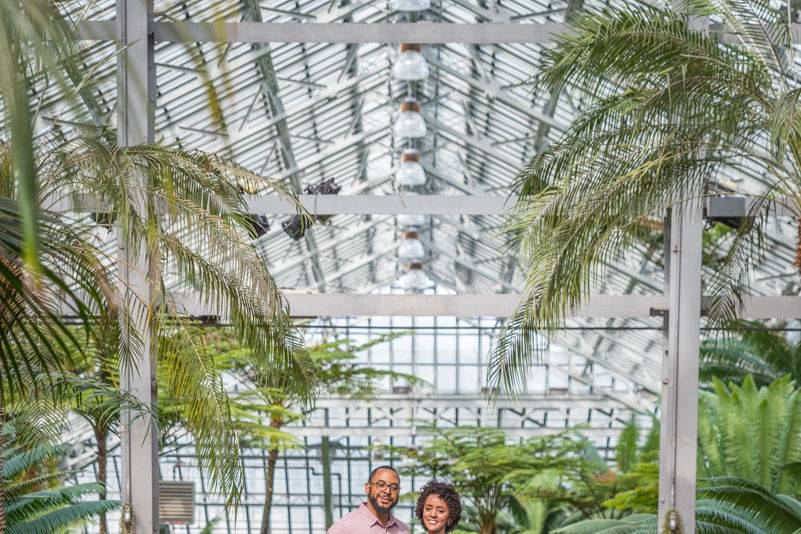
{"x":135,"y":125}
{"x":679,"y":425}
{"x":328,"y":500}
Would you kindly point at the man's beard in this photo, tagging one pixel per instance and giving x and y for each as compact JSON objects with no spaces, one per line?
{"x":378,"y":507}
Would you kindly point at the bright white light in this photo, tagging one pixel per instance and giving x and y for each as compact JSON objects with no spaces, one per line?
{"x":410,"y":123}
{"x":411,"y":64}
{"x":411,"y":221}
{"x":410,"y":172}
{"x":411,"y":249}
{"x":410,"y":5}
{"x":414,"y":279}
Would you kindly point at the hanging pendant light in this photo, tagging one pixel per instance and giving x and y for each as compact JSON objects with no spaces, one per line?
{"x":410,"y":5}
{"x":410,"y":172}
{"x":414,"y":279}
{"x":411,"y":221}
{"x":411,"y":248}
{"x":410,"y":123}
{"x":411,"y":64}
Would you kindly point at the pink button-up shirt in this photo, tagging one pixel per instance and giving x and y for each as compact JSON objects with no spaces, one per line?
{"x":362,"y":521}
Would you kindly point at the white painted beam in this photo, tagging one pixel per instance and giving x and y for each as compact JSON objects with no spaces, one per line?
{"x":300,"y":32}
{"x":483,"y":305}
{"x":467,"y":305}
{"x":439,"y":401}
{"x":383,"y":433}
{"x":408,"y":204}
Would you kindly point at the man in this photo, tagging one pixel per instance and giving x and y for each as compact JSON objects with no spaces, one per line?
{"x":382,"y":489}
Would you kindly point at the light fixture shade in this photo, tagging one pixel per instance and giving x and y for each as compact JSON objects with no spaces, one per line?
{"x":411,"y":64}
{"x":411,"y":221}
{"x":410,"y":5}
{"x":410,"y":172}
{"x":414,"y":279}
{"x":410,"y":123}
{"x":411,"y":248}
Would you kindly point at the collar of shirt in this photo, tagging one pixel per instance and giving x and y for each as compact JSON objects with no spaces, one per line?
{"x":372,"y":519}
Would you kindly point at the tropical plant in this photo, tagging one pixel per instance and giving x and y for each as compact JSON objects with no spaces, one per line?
{"x":272,"y":398}
{"x":27,"y":30}
{"x":725,"y":505}
{"x":751,"y":433}
{"x":495,"y":477}
{"x":749,"y":454}
{"x":177,"y":212}
{"x":35,"y":498}
{"x":69,"y":280}
{"x":668,"y":108}
{"x":750,"y":349}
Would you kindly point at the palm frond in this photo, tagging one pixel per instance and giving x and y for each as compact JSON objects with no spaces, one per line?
{"x":670,"y":107}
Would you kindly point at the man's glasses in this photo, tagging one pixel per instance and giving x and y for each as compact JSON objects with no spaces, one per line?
{"x":381,"y":485}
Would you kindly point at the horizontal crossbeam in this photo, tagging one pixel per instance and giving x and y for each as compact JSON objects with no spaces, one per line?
{"x":295,"y":32}
{"x":478,"y":204}
{"x":483,"y":204}
{"x":489,"y":305}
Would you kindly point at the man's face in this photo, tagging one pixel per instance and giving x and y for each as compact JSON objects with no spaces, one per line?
{"x":383,"y":490}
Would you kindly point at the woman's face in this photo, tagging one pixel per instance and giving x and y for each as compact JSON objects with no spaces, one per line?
{"x":435,"y":514}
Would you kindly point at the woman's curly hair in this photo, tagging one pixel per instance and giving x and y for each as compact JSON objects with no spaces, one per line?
{"x":447,"y":493}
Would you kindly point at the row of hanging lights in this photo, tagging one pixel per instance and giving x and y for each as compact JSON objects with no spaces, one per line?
{"x":411,"y":67}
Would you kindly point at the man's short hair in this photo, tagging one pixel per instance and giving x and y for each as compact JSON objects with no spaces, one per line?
{"x":379,"y":468}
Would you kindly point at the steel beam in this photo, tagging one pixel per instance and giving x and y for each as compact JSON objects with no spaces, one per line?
{"x":275,"y":105}
{"x":417,"y":32}
{"x":396,"y":431}
{"x":136,"y":95}
{"x":348,"y":32}
{"x":443,"y":401}
{"x":403,"y":204}
{"x":679,"y":424}
{"x":466,"y":305}
{"x":301,"y":32}
{"x":412,"y":204}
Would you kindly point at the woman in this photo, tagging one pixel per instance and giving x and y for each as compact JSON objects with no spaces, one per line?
{"x":438,"y":507}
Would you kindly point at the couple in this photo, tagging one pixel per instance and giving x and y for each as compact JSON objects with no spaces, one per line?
{"x":438,"y":507}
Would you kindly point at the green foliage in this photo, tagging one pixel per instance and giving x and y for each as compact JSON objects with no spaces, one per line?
{"x":495,"y":477}
{"x":749,"y":443}
{"x":725,"y":505}
{"x":751,"y":349}
{"x":27,"y":30}
{"x":751,"y":433}
{"x":36,"y":502}
{"x":333,"y":369}
{"x":669,"y":108}
{"x":637,"y":478}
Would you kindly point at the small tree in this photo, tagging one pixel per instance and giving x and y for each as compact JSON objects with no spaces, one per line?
{"x":278,"y":399}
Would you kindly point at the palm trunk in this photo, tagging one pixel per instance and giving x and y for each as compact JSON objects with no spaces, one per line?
{"x":487,"y":524}
{"x":269,"y":482}
{"x":102,"y":459}
{"x":2,"y":463}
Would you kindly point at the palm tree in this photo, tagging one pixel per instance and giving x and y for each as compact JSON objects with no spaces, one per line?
{"x":37,"y":503}
{"x":753,"y":349}
{"x":670,"y":108}
{"x":33,"y":337}
{"x":193,"y":228}
{"x":27,"y":30}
